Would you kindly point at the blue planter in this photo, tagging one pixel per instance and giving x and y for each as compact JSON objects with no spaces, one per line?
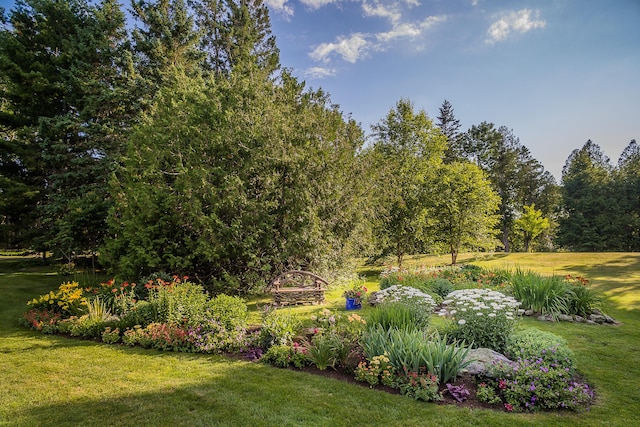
{"x":351,"y":304}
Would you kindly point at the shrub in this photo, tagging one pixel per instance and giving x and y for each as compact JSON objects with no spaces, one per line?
{"x":142,"y":313}
{"x":283,"y":356}
{"x":416,"y":350}
{"x":110,"y":336}
{"x":532,"y":344}
{"x":442,"y":287}
{"x":399,"y":315}
{"x":179,"y":303}
{"x":480,"y":317}
{"x":231,"y":311}
{"x":214,"y":336}
{"x":534,"y":384}
{"x":486,"y":393}
{"x":419,"y":385}
{"x":278,"y":327}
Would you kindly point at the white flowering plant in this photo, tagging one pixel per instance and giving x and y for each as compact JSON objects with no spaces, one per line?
{"x":407,"y":295}
{"x":481,"y":317}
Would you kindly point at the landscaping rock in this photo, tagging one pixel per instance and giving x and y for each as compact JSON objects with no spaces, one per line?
{"x":483,"y":360}
{"x":565,"y":318}
{"x":528,"y":312}
{"x":546,"y":318}
{"x":579,"y":319}
{"x":598,"y":318}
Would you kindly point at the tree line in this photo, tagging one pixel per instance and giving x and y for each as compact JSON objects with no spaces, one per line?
{"x":178,"y":142}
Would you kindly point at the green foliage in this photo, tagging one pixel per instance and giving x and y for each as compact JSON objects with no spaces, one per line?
{"x":407,"y":146}
{"x":480,"y":317}
{"x":376,"y":370}
{"x":486,"y":393}
{"x":205,"y":186}
{"x":327,"y":350}
{"x":442,"y":287}
{"x":179,"y":303}
{"x":110,"y":336}
{"x":588,"y":224}
{"x":68,"y":300}
{"x":419,"y":385}
{"x":285,"y":355}
{"x":415,"y":350}
{"x":278,"y":327}
{"x":97,"y":310}
{"x":542,"y":294}
{"x":531,"y":223}
{"x":531,"y":385}
{"x":142,"y":313}
{"x":398,"y":315}
{"x":230,"y":311}
{"x":534,"y":344}
{"x":461,"y":215}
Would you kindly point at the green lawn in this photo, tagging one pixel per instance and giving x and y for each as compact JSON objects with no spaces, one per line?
{"x":50,"y":380}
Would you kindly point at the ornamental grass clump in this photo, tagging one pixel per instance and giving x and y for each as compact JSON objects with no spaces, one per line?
{"x":481,"y":317}
{"x":416,"y":351}
{"x":399,"y":315}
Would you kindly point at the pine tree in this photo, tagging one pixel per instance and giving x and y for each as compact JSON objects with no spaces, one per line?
{"x":68,"y":103}
{"x":450,"y":127}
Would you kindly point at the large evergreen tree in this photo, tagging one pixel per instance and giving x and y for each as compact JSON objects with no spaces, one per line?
{"x":63,"y":65}
{"x":450,"y":127}
{"x":627,"y":184}
{"x":588,"y":204}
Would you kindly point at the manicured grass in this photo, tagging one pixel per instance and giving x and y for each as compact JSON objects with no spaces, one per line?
{"x":51,"y":380}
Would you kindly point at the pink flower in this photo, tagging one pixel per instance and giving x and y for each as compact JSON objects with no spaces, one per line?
{"x":508,"y":407}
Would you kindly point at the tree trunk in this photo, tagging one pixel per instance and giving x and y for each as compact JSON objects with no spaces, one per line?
{"x":505,"y":238}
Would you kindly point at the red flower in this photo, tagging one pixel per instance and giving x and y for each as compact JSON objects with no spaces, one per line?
{"x":508,"y":407}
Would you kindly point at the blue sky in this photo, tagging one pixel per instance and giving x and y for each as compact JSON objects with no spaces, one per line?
{"x":556,"y":72}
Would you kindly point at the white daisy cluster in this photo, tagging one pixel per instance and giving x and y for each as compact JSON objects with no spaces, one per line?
{"x":391,"y":270}
{"x":463,"y":303}
{"x":397,"y":293}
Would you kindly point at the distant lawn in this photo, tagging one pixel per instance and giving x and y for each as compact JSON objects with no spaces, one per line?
{"x":50,"y":380}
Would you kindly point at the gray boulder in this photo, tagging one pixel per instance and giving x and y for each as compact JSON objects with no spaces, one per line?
{"x":483,"y":360}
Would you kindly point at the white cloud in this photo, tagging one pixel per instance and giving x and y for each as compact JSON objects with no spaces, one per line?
{"x":391,"y":13}
{"x":316,"y":4}
{"x":520,"y":21}
{"x":280,"y":6}
{"x":401,"y":30}
{"x":410,"y":30}
{"x":351,"y":49}
{"x":474,"y":2}
{"x":319,"y":72}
